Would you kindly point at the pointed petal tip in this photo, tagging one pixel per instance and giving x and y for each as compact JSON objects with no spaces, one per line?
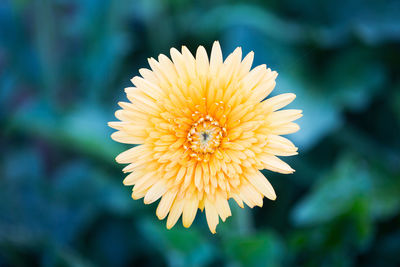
{"x":113,"y":137}
{"x":118,"y":158}
{"x":291,"y":96}
{"x":239,"y":49}
{"x":250,"y":56}
{"x":186,"y":224}
{"x":216,"y":46}
{"x":135,"y":197}
{"x":173,"y":50}
{"x":161,"y":57}
{"x":170,"y":223}
{"x":151,"y":60}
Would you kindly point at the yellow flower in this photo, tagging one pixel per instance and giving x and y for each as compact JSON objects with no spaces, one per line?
{"x":203,"y":132}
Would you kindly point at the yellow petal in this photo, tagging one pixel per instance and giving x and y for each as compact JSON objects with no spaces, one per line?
{"x":132,"y":178}
{"x":165,"y":204}
{"x":175,"y":213}
{"x":283,"y":116}
{"x":278,"y":102}
{"x":261,"y":183}
{"x":286,"y":128}
{"x":189,"y":62}
{"x":246,"y":64}
{"x":211,"y":216}
{"x":238,"y":200}
{"x":179,"y":64}
{"x":273,"y":163}
{"x":222,"y":207}
{"x":202,"y":63}
{"x":189,"y":211}
{"x":126,"y":138}
{"x":148,"y":75}
{"x":252,"y":79}
{"x":215,"y":58}
{"x":131,"y":154}
{"x":155,"y":192}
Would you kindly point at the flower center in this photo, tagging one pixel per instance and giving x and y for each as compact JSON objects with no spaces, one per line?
{"x":204,"y":136}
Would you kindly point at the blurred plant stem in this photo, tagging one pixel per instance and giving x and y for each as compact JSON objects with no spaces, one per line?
{"x":244,"y":220}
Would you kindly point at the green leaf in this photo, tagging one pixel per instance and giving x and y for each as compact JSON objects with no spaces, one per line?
{"x":334,"y":194}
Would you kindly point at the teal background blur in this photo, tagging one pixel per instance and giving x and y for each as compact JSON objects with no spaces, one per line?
{"x":64,"y":65}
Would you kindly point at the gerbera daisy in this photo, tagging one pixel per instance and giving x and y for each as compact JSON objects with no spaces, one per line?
{"x":203,"y":131}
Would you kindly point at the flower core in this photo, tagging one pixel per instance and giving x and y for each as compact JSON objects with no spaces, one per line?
{"x":204,"y":137}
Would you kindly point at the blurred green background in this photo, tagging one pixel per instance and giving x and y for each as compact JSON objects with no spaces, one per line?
{"x":63,"y":67}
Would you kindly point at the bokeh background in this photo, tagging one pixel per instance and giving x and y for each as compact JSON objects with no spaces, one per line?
{"x":64,"y":65}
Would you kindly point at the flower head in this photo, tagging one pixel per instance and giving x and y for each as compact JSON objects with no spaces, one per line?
{"x":203,"y":133}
